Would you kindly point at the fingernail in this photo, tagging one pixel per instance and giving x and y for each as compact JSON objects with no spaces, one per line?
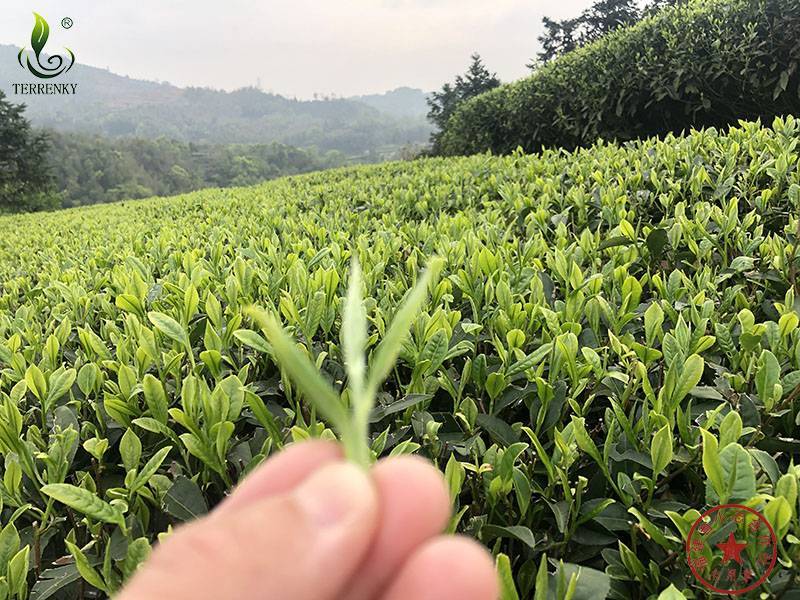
{"x":335,"y":495}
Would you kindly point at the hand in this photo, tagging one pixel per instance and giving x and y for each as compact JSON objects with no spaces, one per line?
{"x":306,"y":525}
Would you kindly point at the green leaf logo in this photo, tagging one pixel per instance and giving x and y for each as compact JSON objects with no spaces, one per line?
{"x":51,"y":66}
{"x":41,"y":31}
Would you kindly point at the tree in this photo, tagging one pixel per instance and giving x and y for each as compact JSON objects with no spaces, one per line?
{"x":25,"y":182}
{"x":656,"y":5}
{"x":477,"y":80}
{"x":559,"y":37}
{"x":89,"y":169}
{"x":603,"y":17}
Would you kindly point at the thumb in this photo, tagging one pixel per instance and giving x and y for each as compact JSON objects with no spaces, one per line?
{"x":302,"y":545}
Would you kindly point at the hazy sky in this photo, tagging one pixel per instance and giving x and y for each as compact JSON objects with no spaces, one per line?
{"x":295,"y":47}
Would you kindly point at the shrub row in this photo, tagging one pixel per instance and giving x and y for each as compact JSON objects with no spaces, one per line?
{"x":707,"y":63}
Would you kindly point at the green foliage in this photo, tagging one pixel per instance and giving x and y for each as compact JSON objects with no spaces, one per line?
{"x":611,"y":346}
{"x":90,"y":169}
{"x":351,"y":422}
{"x":601,"y":18}
{"x":443,"y":103}
{"x":703,"y":63}
{"x":25,"y":180}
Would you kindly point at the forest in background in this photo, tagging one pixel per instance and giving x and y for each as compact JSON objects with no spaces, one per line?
{"x":91,"y":169}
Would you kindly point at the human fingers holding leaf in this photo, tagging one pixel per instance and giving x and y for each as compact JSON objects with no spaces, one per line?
{"x":309,"y":525}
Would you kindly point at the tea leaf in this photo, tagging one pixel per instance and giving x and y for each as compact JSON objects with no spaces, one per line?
{"x":738,"y":476}
{"x":671,"y":593}
{"x":712,"y":465}
{"x":155,"y":398}
{"x":36,"y":383}
{"x":661,"y":449}
{"x":305,"y":375}
{"x":184,"y":500}
{"x":585,"y":442}
{"x":130,"y":449}
{"x":388,"y":350}
{"x":690,"y":376}
{"x":52,"y":581}
{"x":84,"y":502}
{"x":767,"y":377}
{"x":87,"y":571}
{"x":354,"y":342}
{"x":60,"y":383}
{"x":542,"y":586}
{"x":149,"y":469}
{"x":253,"y":340}
{"x":170,"y":327}
{"x":508,"y":591}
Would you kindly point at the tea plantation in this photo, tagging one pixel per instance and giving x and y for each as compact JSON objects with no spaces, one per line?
{"x":611,"y":347}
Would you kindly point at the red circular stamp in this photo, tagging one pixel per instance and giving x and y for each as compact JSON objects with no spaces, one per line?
{"x":731,"y":549}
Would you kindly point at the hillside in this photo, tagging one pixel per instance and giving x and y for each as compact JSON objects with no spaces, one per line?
{"x":612,"y":345}
{"x":115,"y":106}
{"x":401,"y":102}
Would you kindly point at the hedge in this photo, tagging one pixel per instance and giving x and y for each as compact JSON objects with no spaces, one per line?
{"x":706,"y":63}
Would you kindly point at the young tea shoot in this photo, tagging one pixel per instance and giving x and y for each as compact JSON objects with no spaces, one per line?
{"x":351,"y":422}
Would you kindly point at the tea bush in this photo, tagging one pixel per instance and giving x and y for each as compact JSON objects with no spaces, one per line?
{"x":612,"y":345}
{"x":706,"y":63}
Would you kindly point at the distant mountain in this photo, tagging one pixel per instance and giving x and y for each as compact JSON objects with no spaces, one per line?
{"x":402,"y":102}
{"x":117,"y":106}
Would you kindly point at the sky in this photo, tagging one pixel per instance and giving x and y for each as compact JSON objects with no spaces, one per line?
{"x":293,"y":47}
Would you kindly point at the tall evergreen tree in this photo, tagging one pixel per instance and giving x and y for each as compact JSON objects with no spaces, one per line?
{"x":477,"y":80}
{"x":25,"y":182}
